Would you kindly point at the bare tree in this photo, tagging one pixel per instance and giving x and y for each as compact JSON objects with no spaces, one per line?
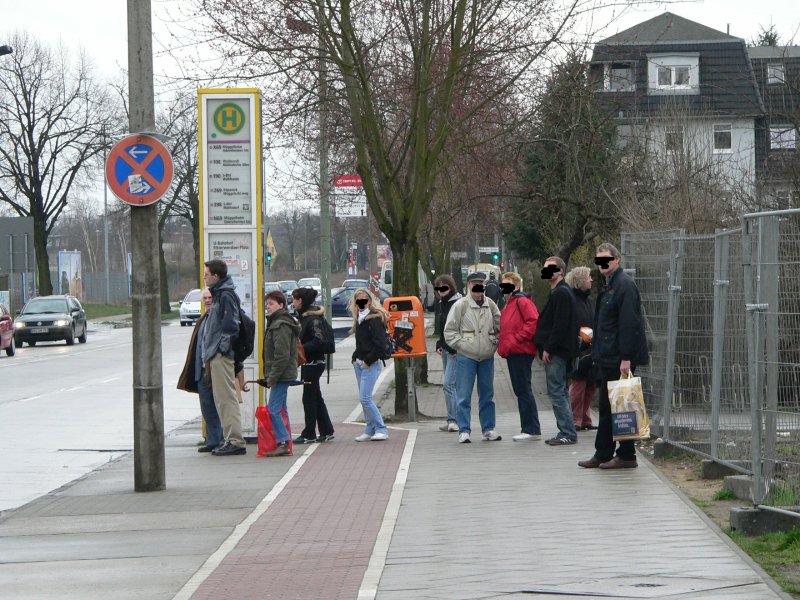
{"x":53,"y":112}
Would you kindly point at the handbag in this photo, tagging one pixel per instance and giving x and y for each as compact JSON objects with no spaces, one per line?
{"x":301,"y":354}
{"x":629,"y":419}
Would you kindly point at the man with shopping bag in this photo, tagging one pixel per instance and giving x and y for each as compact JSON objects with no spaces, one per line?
{"x":620,"y":346}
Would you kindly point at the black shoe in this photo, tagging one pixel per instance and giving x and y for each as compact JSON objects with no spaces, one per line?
{"x":303,"y":440}
{"x":321,"y":439}
{"x":560,"y":440}
{"x":589,"y":427}
{"x":228,"y":449}
{"x":205,"y":449}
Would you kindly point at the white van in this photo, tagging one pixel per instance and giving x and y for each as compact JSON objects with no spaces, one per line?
{"x":425,"y":287}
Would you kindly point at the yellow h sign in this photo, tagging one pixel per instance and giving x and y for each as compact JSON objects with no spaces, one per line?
{"x":229,"y":118}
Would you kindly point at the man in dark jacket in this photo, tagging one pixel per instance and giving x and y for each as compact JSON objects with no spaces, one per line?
{"x":557,"y":341}
{"x":619,"y":346}
{"x":222,"y":329}
{"x":445,"y":287}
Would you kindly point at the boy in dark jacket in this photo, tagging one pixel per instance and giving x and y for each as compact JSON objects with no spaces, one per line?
{"x":445,"y":287}
{"x":619,"y":346}
{"x":557,"y":341}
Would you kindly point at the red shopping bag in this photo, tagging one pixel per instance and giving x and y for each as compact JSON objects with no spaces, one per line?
{"x":266,"y":436}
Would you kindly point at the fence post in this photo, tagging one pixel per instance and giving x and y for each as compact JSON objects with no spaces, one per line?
{"x":675,"y":271}
{"x":753,"y":314}
{"x":770,"y":285}
{"x":721,"y":287}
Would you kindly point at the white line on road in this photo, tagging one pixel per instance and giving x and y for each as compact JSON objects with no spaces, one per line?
{"x":377,"y":561}
{"x":241,"y":529}
{"x":353,"y":415}
{"x":109,"y":380}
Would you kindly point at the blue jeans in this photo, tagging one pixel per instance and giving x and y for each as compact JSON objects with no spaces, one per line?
{"x":519,"y":369}
{"x":466,"y":371}
{"x":277,"y":402}
{"x":449,"y":385}
{"x":556,"y":374}
{"x":210,"y":416}
{"x":366,"y":377}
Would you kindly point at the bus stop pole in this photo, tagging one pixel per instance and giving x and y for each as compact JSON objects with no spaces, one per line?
{"x":412,"y":395}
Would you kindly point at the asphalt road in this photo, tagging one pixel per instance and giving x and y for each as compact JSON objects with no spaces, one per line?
{"x":65,"y":410}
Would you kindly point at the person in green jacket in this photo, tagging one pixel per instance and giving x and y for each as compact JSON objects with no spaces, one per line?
{"x":280,"y":364}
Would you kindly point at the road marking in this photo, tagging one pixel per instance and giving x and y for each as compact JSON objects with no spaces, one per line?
{"x":372,"y":577}
{"x":191,"y":586}
{"x":353,"y":415}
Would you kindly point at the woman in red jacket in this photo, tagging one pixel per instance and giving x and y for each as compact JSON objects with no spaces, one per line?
{"x":517,"y":328}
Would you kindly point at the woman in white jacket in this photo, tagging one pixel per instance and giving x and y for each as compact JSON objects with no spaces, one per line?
{"x":472,"y":330}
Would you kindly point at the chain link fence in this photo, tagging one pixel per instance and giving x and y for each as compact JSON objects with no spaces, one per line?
{"x":722,"y":314}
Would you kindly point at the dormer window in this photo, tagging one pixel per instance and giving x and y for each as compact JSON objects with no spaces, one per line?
{"x":618,"y":77}
{"x":673,"y":73}
{"x":775,"y":73}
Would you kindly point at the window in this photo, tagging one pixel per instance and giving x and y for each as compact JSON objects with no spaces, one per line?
{"x":681,"y":76}
{"x":677,"y":76}
{"x":618,"y":77}
{"x":782,"y":137}
{"x":673,"y":73}
{"x":775,"y":73}
{"x":673,"y":138}
{"x":722,"y":138}
{"x":664,"y":76}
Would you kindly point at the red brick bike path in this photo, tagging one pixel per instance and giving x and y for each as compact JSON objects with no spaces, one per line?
{"x":316,"y":538}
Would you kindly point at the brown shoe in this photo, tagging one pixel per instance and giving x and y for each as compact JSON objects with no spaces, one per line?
{"x":281,"y":450}
{"x":619,"y":463}
{"x":592,"y":463}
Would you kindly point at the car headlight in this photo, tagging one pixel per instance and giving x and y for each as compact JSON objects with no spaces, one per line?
{"x":19,"y":325}
{"x":61,"y":323}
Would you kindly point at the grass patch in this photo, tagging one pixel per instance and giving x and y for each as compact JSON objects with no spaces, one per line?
{"x":97,"y":311}
{"x":777,"y":553}
{"x":724,"y":494}
{"x":701,"y":503}
{"x":781,"y":494}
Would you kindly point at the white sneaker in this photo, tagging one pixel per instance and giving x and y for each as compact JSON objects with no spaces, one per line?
{"x":463,"y":438}
{"x":490,"y":435}
{"x":379,"y":437}
{"x":444,"y":427}
{"x":364,"y":437}
{"x":451,"y":426}
{"x":525,"y":437}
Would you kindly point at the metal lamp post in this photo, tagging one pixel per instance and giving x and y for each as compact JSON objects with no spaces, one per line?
{"x":105,"y":222}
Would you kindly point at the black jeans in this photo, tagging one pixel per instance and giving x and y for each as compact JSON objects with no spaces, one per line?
{"x":604,"y":443}
{"x":314,"y":409}
{"x":519,"y":369}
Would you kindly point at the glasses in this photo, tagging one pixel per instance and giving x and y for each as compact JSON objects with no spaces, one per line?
{"x":442,"y":288}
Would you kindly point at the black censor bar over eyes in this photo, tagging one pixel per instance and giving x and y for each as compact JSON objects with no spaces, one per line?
{"x":441,"y":288}
{"x":507,"y":288}
{"x":478,"y":287}
{"x":549,"y":271}
{"x":603,"y":261}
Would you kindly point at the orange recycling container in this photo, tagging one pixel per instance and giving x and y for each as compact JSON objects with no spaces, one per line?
{"x":406,"y":325}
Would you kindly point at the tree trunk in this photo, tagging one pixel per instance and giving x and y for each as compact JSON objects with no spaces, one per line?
{"x":42,"y":259}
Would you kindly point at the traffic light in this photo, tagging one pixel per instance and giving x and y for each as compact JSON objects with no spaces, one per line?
{"x":495,"y":257}
{"x":269,"y":260}
{"x":502,"y":265}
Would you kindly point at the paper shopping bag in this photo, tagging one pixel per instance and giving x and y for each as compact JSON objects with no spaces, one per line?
{"x":628,"y":414}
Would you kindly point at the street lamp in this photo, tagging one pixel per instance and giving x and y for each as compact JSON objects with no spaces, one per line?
{"x":5,"y":50}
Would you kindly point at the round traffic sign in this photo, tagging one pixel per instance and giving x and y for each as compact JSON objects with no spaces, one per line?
{"x":139,"y":169}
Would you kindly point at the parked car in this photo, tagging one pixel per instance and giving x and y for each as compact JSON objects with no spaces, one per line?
{"x":6,"y":331}
{"x":340,"y":299}
{"x":288,"y":285}
{"x":355,"y":283}
{"x":312,"y":282}
{"x":49,"y":319}
{"x":272,"y":286}
{"x":190,"y":307}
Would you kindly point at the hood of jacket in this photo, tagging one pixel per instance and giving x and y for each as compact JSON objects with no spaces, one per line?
{"x":313,"y":311}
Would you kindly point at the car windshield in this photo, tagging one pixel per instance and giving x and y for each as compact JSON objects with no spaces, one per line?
{"x":45,"y":305}
{"x":355,"y":283}
{"x":288,"y":285}
{"x":272,"y":287}
{"x":309,"y":282}
{"x":193,"y":296}
{"x":345,"y":293}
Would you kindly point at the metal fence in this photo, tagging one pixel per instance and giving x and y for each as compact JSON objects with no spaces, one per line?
{"x":722,"y":315}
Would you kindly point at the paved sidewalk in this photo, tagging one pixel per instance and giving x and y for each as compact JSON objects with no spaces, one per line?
{"x":482,"y":520}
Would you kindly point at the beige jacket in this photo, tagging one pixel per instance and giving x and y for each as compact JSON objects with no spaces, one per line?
{"x":473,"y":330}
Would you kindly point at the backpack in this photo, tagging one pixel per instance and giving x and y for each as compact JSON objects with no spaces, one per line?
{"x":328,"y":342}
{"x":244,"y":343}
{"x":388,"y":347}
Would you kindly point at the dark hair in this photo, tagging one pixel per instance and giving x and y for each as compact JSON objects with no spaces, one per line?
{"x":446,"y":280}
{"x":277,"y":296}
{"x":217,"y":267}
{"x":306,"y":295}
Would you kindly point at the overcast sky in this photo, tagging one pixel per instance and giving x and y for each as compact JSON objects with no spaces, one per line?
{"x":99,"y":25}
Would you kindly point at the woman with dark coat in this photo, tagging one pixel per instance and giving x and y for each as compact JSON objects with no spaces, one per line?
{"x":369,"y":326}
{"x":445,"y":286}
{"x":583,"y":386}
{"x":314,"y":330}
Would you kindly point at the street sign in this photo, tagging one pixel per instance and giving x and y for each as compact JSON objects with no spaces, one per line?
{"x":488,"y":249}
{"x":139,"y":169}
{"x":458,"y":255}
{"x":353,"y":180}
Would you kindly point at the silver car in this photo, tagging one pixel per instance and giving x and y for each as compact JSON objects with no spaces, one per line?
{"x":190,"y":307}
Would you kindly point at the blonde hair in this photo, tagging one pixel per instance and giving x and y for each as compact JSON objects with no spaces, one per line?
{"x":373,"y":305}
{"x":514,"y":277}
{"x":576,"y":276}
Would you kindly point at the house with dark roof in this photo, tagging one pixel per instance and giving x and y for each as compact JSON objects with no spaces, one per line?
{"x":681,"y":89}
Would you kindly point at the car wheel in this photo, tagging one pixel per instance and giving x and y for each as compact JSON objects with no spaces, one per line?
{"x":82,"y":338}
{"x":11,"y":350}
{"x":183,"y":323}
{"x":31,"y":343}
{"x":71,"y":339}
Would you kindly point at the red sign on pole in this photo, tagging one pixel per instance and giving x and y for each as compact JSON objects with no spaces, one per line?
{"x":139,"y":169}
{"x":353,"y":180}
